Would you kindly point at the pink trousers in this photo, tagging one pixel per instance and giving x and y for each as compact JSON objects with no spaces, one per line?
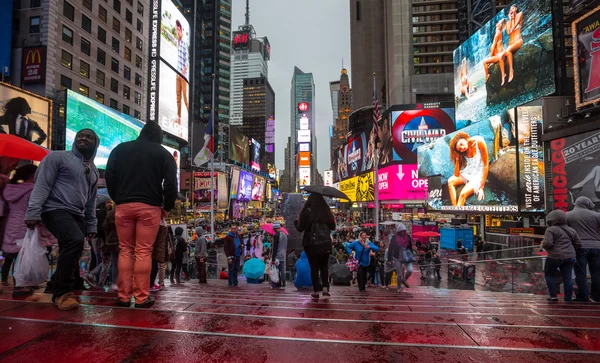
{"x":137,"y":227}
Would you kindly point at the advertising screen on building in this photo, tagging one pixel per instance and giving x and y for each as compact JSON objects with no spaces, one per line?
{"x":303,"y":107}
{"x":202,"y":190}
{"x":258,"y":189}
{"x":254,"y":154}
{"x":304,"y":159}
{"x":223,"y":200}
{"x":270,"y":132}
{"x":411,"y":127}
{"x":574,"y":164}
{"x":173,"y":103}
{"x":586,"y":50}
{"x":401,"y":182}
{"x":477,"y":165}
{"x":506,"y":63}
{"x":304,"y":147}
{"x":245,"y":186}
{"x":328,"y":178}
{"x":238,"y":146}
{"x":359,"y":188}
{"x":235,"y":182}
{"x":304,"y":176}
{"x":111,"y":126}
{"x":177,"y":156}
{"x":531,"y":159}
{"x":175,"y":39}
{"x":33,"y":65}
{"x":240,"y":39}
{"x":304,"y":123}
{"x":38,"y":127}
{"x":272,"y":171}
{"x":304,"y":136}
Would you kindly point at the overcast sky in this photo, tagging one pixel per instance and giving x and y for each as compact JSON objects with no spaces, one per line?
{"x":313,"y":35}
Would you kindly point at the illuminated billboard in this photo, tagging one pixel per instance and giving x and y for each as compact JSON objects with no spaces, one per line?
{"x":240,"y":39}
{"x":531,"y":160}
{"x":33,"y":65}
{"x":328,"y":178}
{"x":173,"y":111}
{"x":39,"y":122}
{"x":506,"y":63}
{"x":177,"y":156}
{"x":258,"y":189}
{"x":304,"y":176}
{"x":238,"y":145}
{"x":175,"y":38}
{"x":235,"y":180}
{"x":303,"y":107}
{"x":401,"y":182}
{"x":359,"y":188}
{"x":586,"y":47}
{"x":304,"y":147}
{"x":304,"y":136}
{"x":270,"y":132}
{"x":304,"y":159}
{"x":304,"y":123}
{"x":111,"y":126}
{"x":245,"y":186}
{"x":254,"y":154}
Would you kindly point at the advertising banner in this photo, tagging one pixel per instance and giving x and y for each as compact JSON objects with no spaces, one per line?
{"x":328,"y":178}
{"x":304,"y":159}
{"x":175,"y":39}
{"x":304,"y":123}
{"x":575,"y":170}
{"x":401,"y":182}
{"x":173,"y":112}
{"x":304,"y":176}
{"x":304,"y":136}
{"x":223,"y":200}
{"x":254,"y":155}
{"x":531,"y":159}
{"x":176,"y":156}
{"x":202,"y":189}
{"x":270,"y":153}
{"x":477,"y":165}
{"x":33,"y":65}
{"x":258,"y":189}
{"x":238,"y":145}
{"x":412,"y":126}
{"x":111,"y":126}
{"x":359,"y":188}
{"x":508,"y":62}
{"x":354,"y":155}
{"x":245,"y":186}
{"x":270,"y":132}
{"x":272,"y":171}
{"x":434,"y":189}
{"x":586,"y":47}
{"x":235,"y":182}
{"x":12,"y":101}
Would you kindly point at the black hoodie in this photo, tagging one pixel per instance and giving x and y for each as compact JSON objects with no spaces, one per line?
{"x":143,"y":171}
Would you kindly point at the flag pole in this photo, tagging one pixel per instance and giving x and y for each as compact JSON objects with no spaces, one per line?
{"x":376,"y":171}
{"x":212,"y":167}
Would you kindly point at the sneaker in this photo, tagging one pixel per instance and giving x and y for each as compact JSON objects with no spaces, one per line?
{"x":594,"y":300}
{"x":4,"y":283}
{"x":123,"y":304}
{"x":326,"y":293}
{"x":114,"y":288}
{"x":552,"y":299}
{"x":146,"y":304}
{"x":66,"y":302}
{"x":22,"y":292}
{"x":156,"y":288}
{"x":315,"y":295}
{"x":89,"y":278}
{"x":405,"y":284}
{"x":399,"y":290}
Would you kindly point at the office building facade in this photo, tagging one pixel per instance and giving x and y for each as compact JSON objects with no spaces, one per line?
{"x":258,"y":106}
{"x":302,"y":92}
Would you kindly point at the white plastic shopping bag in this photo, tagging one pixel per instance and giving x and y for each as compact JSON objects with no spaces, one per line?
{"x":32,"y":264}
{"x":274,"y":274}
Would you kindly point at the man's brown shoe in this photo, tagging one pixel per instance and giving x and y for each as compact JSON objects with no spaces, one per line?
{"x":66,"y":302}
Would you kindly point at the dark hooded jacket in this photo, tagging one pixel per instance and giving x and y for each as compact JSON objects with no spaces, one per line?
{"x":560,"y":240}
{"x":586,"y":222}
{"x":142,"y":171}
{"x":62,"y":183}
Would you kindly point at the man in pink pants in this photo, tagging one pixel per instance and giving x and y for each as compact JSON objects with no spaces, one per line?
{"x":141,"y":177}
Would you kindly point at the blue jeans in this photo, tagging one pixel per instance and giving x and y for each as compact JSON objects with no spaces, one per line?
{"x":587,"y":256}
{"x":566,"y":271}
{"x":234,"y":267}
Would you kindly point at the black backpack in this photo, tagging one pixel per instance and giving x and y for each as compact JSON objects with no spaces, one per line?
{"x":320,"y":234}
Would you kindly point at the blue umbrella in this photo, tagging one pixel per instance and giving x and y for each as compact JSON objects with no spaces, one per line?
{"x":254,"y":268}
{"x":103,"y":191}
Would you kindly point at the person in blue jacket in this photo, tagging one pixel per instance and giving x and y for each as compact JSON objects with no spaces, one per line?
{"x":303,"y":280}
{"x":362,"y":252}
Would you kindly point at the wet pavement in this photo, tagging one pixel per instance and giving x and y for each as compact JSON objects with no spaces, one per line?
{"x":251,"y":323}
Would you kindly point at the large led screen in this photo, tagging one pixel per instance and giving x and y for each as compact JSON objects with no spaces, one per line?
{"x":173,"y":103}
{"x":359,"y":188}
{"x":477,"y":165}
{"x":401,"y":182}
{"x":238,"y":146}
{"x":245,"y":186}
{"x":111,"y":126}
{"x":177,"y":156}
{"x":506,"y":63}
{"x":235,"y":180}
{"x":531,"y":159}
{"x":574,"y":164}
{"x":586,"y":41}
{"x":304,"y":176}
{"x":258,"y":189}
{"x":175,"y":38}
{"x":15,"y":102}
{"x":254,"y":154}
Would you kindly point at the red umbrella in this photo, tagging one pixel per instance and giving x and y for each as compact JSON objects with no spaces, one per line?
{"x":426,"y":234}
{"x":368,"y":225}
{"x":15,"y":147}
{"x":269,"y":229}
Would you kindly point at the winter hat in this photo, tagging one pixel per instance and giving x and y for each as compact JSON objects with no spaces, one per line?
{"x":276,"y":225}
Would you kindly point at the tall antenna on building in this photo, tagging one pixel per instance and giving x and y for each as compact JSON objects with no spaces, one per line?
{"x":247,"y":12}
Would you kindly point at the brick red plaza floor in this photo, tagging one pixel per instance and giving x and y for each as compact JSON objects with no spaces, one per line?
{"x":251,"y":323}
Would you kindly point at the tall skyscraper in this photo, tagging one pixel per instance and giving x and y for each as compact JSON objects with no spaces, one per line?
{"x":258,"y":105}
{"x":343,"y":104}
{"x":302,"y":107}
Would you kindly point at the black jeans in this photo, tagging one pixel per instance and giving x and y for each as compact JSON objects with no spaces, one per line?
{"x":69,"y":230}
{"x":9,"y":258}
{"x":176,"y":269}
{"x":381,"y":272}
{"x":362,"y":277}
{"x":319,"y":264}
{"x":201,"y":265}
{"x":154,"y":272}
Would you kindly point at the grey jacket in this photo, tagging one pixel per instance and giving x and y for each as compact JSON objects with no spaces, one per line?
{"x":586,"y":222}
{"x":200,"y":248}
{"x":61,"y":183}
{"x":280,"y":246}
{"x":560,"y":240}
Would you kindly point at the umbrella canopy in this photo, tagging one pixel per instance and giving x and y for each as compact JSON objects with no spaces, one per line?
{"x":16,"y":147}
{"x":268,"y":227}
{"x":254,"y":268}
{"x":103,"y":191}
{"x":102,"y":199}
{"x":340,"y":274}
{"x":325,"y":191}
{"x":368,"y":225}
{"x":426,"y":234}
{"x":388,"y":223}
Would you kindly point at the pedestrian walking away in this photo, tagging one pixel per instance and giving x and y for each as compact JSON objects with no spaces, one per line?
{"x":280,"y":243}
{"x":201,"y":254}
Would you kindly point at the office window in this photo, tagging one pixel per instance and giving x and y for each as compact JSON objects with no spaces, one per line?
{"x":114,"y":85}
{"x":138,"y":80}
{"x":126,"y":92}
{"x":84,"y":90}
{"x":116,"y":25}
{"x":114,"y":104}
{"x":116,"y":45}
{"x":85,"y":46}
{"x":101,"y":56}
{"x":140,"y":26}
{"x":138,"y":99}
{"x":87,"y":4}
{"x":137,"y":114}
{"x":67,"y":59}
{"x":114,"y":65}
{"x":128,"y":54}
{"x":67,"y":35}
{"x":69,"y":11}
{"x":102,"y":13}
{"x":138,"y":61}
{"x":127,"y":73}
{"x":65,"y":82}
{"x":128,"y":35}
{"x":358,"y":10}
{"x":129,"y":16}
{"x":34,"y":25}
{"x":117,"y":6}
{"x":86,"y":23}
{"x":140,"y":8}
{"x":84,"y":69}
{"x":100,"y":77}
{"x":139,"y":43}
{"x":126,"y":111}
{"x":101,"y":34}
{"x":100,"y":98}
{"x":35,"y":3}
